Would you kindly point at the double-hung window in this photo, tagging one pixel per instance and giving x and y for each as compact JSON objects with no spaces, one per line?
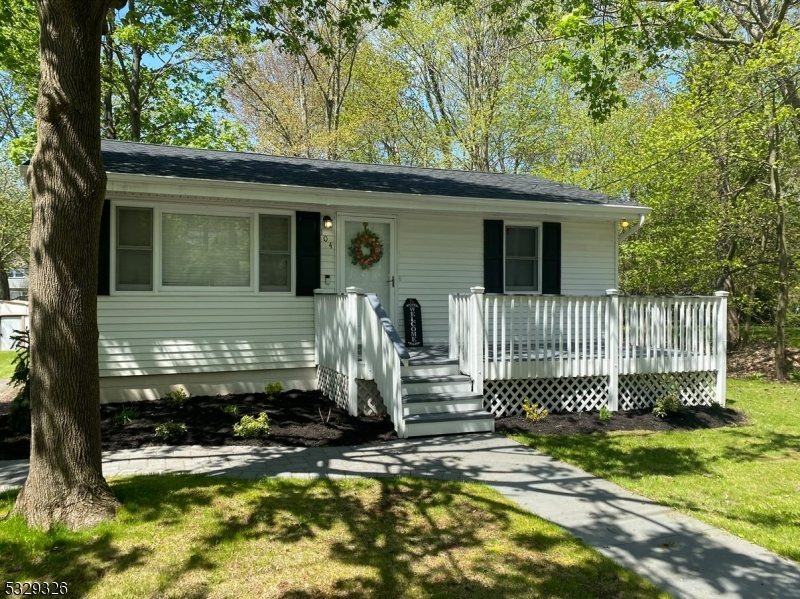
{"x":163,"y":249}
{"x":522,"y":262}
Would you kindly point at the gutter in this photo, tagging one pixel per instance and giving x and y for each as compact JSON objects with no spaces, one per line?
{"x":632,"y":230}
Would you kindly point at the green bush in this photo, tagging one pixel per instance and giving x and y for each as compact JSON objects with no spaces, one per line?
{"x":127,"y":414}
{"x":250,"y":428}
{"x":170,"y":430}
{"x":231,"y":409}
{"x":273,"y":390}
{"x":20,"y":413}
{"x":667,"y":406}
{"x":604,"y":415}
{"x":178,"y":395}
{"x":533,"y":412}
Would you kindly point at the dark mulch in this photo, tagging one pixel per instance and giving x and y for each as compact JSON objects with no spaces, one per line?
{"x":294,"y":418}
{"x":569,"y":423}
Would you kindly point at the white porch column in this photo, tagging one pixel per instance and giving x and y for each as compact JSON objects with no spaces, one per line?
{"x":721,"y":345}
{"x":612,"y":348}
{"x":453,"y":338}
{"x":477,"y":338}
{"x":351,"y":345}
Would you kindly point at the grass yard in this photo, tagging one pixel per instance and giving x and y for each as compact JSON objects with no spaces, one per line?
{"x":193,"y":536}
{"x":767,"y":333}
{"x":744,"y":479}
{"x":6,"y":369}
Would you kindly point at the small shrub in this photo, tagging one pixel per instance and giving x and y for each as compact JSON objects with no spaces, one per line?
{"x":273,"y":390}
{"x":170,"y":430}
{"x":127,"y":414}
{"x":178,"y":395}
{"x":250,"y":428}
{"x":667,"y":406}
{"x":756,"y":376}
{"x":231,"y":409}
{"x":533,"y":412}
{"x":20,"y":411}
{"x":794,"y":376}
{"x":604,"y":415}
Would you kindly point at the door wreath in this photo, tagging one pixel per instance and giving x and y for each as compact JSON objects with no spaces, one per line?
{"x":366,"y":248}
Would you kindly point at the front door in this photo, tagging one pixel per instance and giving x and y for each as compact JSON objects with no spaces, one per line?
{"x":359,"y":269}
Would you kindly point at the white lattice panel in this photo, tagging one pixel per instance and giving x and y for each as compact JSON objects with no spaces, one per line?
{"x":642,"y":390}
{"x":573,"y":394}
{"x":333,"y":384}
{"x":370,"y":402}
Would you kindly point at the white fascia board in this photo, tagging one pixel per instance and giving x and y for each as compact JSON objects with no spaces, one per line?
{"x":149,"y":186}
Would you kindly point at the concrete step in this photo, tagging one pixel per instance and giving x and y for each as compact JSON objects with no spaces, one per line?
{"x":478,"y":421}
{"x":451,"y":383}
{"x":442,"y":403}
{"x":444,"y":368}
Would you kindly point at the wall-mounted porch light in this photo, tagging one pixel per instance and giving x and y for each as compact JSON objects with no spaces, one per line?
{"x":327,"y":222}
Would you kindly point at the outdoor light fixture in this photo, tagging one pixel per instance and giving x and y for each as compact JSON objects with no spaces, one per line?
{"x":625,"y":224}
{"x":327,"y":222}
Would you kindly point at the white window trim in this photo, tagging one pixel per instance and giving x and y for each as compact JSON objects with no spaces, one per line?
{"x":529,"y":225}
{"x":160,"y":207}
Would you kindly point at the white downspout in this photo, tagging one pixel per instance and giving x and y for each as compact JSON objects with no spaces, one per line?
{"x":632,"y":230}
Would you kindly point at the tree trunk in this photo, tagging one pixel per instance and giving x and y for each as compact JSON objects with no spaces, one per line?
{"x":65,"y":482}
{"x":5,"y":292}
{"x":783,"y":255}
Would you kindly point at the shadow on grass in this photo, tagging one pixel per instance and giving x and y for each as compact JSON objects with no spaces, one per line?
{"x":442,"y":539}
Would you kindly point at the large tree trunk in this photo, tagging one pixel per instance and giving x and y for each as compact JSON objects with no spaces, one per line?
{"x":783,"y":255}
{"x":5,"y":292}
{"x":65,"y":483}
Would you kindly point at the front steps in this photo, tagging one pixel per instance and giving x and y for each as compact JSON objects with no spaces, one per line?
{"x":438,"y":400}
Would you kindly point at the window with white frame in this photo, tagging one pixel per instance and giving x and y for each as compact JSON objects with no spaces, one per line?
{"x":134,"y":249}
{"x":522,"y":259}
{"x":202,"y":250}
{"x":274,"y":253}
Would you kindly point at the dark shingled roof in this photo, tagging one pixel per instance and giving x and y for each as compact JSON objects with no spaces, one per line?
{"x":172,"y":161}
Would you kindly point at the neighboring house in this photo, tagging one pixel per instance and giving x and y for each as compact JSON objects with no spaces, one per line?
{"x":18,"y":284}
{"x":13,"y":317}
{"x":223,"y":271}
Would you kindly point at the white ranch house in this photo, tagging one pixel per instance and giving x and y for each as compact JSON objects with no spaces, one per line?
{"x":221,"y":272}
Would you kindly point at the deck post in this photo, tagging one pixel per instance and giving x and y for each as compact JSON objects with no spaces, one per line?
{"x":477,"y":339}
{"x":721,"y":345}
{"x":612,"y":349}
{"x":453,"y":339}
{"x":351,"y":343}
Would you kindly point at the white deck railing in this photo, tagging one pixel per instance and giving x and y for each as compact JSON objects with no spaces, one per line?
{"x":500,"y":337}
{"x":343,"y":323}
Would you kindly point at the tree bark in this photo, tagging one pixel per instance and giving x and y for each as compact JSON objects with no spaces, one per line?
{"x":781,"y":366}
{"x":5,"y":292}
{"x":65,"y":482}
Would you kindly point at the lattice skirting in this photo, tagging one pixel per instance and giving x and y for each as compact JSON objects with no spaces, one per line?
{"x":642,"y":390}
{"x":370,"y":402}
{"x":333,"y":384}
{"x":576,"y":394}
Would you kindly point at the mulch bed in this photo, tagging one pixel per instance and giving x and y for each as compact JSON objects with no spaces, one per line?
{"x":569,"y":423}
{"x":294,"y":418}
{"x":757,"y":360}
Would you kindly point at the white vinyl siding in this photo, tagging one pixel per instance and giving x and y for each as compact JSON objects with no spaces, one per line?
{"x":588,"y":258}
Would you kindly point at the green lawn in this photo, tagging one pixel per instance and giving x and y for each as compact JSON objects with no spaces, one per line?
{"x":192,"y":536}
{"x":6,"y":369}
{"x":745,"y":480}
{"x":767,"y":333}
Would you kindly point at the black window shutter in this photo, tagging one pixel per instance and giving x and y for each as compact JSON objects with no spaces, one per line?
{"x":493,"y":256}
{"x":104,"y":253}
{"x":307,"y":250}
{"x":551,"y":258}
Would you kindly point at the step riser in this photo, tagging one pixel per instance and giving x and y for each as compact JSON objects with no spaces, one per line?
{"x":452,"y":427}
{"x":424,"y":388}
{"x":430,"y":370}
{"x":443,"y":407}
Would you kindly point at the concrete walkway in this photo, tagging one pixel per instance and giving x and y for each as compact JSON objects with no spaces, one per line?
{"x":679,"y":554}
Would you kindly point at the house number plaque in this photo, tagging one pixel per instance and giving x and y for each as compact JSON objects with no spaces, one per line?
{"x":412,"y":315}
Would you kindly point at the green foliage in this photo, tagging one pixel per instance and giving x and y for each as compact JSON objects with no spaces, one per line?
{"x":273,"y":389}
{"x":794,"y":376}
{"x":170,"y":430}
{"x":15,"y":219}
{"x":605,"y":414}
{"x":128,"y":414}
{"x":231,"y":409}
{"x":533,"y":412}
{"x":251,"y":428}
{"x":20,"y":414}
{"x":668,"y":405}
{"x":178,"y":396}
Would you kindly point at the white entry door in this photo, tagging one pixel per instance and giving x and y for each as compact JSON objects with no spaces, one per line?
{"x":378,"y":278}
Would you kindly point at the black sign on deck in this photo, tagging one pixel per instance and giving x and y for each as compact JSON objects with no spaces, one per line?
{"x":412,"y":315}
